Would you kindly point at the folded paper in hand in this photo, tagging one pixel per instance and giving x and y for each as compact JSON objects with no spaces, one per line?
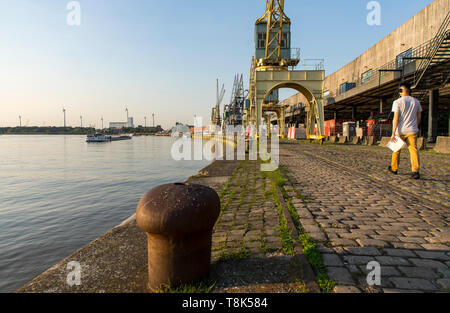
{"x":396,"y":146}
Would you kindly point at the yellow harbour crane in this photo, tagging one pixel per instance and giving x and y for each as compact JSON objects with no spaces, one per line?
{"x":270,"y":71}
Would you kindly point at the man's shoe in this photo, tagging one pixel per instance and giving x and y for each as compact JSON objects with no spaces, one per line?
{"x":415,"y":175}
{"x":393,"y":172}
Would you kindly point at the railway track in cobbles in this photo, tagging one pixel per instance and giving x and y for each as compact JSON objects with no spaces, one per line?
{"x":372,"y":162}
{"x":356,"y":219}
{"x":400,"y":192}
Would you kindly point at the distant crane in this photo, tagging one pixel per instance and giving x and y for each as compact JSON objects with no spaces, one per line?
{"x":20,"y":121}
{"x":215,"y":116}
{"x":64,"y":111}
{"x":233,"y":113}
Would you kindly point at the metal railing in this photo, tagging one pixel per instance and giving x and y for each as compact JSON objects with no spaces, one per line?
{"x":313,"y":64}
{"x":295,"y":53}
{"x":435,"y":44}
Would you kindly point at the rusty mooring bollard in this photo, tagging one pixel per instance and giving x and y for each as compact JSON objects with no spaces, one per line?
{"x":178,"y":219}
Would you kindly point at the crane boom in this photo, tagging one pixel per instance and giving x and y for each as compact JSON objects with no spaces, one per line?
{"x":215,"y":117}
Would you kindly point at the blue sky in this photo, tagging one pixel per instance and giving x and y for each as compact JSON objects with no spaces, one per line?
{"x":158,"y":56}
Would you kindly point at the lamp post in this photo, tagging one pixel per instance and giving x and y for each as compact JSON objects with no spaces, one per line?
{"x":64,"y":111}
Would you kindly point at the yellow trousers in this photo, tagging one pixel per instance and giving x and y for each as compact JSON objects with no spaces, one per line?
{"x":411,"y":140}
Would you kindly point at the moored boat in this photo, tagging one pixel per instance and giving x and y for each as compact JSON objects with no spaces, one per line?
{"x":98,"y":137}
{"x":124,"y":137}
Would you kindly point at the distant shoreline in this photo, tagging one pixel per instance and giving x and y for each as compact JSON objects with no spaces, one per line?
{"x":74,"y":134}
{"x":40,"y":134}
{"x":54,"y":130}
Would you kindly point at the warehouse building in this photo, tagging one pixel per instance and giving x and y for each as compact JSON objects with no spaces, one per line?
{"x":417,"y":52}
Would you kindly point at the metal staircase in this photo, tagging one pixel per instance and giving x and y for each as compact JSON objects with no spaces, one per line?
{"x":434,"y":69}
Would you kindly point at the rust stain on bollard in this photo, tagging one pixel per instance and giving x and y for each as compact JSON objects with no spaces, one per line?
{"x":178,"y":219}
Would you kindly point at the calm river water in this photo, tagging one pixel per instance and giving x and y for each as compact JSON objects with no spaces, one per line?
{"x":58,"y":193}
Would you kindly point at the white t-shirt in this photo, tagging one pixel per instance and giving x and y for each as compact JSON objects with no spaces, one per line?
{"x":407,"y":107}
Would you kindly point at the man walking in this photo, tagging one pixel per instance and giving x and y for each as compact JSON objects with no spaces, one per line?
{"x":407,"y":117}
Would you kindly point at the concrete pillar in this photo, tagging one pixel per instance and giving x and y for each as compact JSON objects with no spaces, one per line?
{"x":433,"y":115}
{"x":281,"y":122}
{"x":259,"y":104}
{"x":354,"y":112}
{"x":267,"y":118}
{"x":383,"y":106}
{"x":448,"y":133}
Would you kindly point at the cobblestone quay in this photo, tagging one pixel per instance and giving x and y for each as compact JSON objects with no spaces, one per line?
{"x":311,"y":226}
{"x":358,"y":212}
